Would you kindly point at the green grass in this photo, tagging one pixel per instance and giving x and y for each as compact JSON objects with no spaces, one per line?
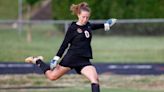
{"x":81,"y":90}
{"x":129,"y":49}
{"x":77,"y":83}
{"x":46,"y":42}
{"x":8,"y":9}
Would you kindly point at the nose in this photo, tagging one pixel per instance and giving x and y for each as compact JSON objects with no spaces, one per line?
{"x":85,"y":19}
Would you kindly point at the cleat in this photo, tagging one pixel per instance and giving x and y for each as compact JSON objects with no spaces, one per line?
{"x":33,"y":59}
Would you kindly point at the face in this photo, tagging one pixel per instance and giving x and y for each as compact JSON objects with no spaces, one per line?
{"x":83,"y":17}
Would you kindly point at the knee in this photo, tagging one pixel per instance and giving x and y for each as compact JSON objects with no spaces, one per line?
{"x":53,"y":77}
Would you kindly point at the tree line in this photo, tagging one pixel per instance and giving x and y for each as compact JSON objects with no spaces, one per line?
{"x":104,"y":9}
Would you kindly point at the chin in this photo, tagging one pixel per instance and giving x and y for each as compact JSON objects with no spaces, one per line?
{"x":84,"y":23}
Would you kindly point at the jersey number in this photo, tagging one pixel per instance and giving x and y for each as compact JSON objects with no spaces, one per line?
{"x":86,"y":34}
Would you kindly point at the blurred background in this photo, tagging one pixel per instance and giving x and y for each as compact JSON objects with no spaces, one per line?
{"x":37,"y":27}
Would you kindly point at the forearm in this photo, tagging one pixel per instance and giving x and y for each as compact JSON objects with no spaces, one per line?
{"x":62,"y":49}
{"x":97,"y":26}
{"x":106,"y":25}
{"x":67,"y":39}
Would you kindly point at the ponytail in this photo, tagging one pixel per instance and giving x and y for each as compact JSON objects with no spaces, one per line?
{"x":76,"y":8}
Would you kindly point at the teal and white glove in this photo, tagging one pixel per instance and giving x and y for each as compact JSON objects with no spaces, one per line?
{"x":109,"y":23}
{"x":53,"y":62}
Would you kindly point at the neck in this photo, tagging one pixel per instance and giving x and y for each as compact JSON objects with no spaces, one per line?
{"x":79,"y":23}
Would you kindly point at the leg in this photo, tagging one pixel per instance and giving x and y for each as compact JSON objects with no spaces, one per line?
{"x":50,"y":74}
{"x":57,"y":72}
{"x":91,"y":74}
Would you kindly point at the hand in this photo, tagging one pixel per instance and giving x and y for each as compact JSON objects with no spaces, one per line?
{"x":109,"y":23}
{"x":53,"y":62}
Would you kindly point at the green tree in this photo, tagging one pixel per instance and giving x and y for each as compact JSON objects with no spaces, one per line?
{"x":104,"y":9}
{"x":30,"y":4}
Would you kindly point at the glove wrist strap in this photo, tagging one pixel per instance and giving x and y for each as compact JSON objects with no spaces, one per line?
{"x":106,"y":27}
{"x":56,"y":58}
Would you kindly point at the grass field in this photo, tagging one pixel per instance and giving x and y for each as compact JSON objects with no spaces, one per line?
{"x":46,"y":42}
{"x":8,"y":9}
{"x":77,"y":83}
{"x":79,"y":90}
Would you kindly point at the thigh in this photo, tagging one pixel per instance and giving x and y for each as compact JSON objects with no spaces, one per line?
{"x":91,"y":73}
{"x":61,"y":69}
{"x":57,"y":72}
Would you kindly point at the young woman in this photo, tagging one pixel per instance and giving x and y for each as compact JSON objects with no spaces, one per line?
{"x":78,"y":39}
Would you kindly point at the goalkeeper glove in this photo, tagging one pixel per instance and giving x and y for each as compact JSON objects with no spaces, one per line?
{"x":53,"y":62}
{"x":109,"y":23}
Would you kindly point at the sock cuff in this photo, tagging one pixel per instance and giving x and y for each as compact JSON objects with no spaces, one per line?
{"x":38,"y":62}
{"x":44,"y":67}
{"x":95,"y":87}
{"x":94,"y":84}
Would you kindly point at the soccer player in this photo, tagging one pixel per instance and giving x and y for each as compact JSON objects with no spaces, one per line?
{"x":78,"y":39}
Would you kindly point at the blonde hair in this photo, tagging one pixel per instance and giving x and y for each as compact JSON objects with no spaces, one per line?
{"x":76,"y":8}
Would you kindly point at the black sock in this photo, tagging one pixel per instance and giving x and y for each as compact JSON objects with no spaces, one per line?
{"x":44,"y":67}
{"x":95,"y":87}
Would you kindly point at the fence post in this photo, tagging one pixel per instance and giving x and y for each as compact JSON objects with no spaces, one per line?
{"x":65,"y":26}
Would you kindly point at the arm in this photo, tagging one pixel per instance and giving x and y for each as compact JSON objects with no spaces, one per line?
{"x":97,"y":26}
{"x":67,"y":39}
{"x":106,"y":25}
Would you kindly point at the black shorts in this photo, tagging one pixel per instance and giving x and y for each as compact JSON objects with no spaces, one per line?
{"x":75,"y":62}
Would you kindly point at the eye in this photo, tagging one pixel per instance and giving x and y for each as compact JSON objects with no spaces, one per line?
{"x":83,"y":16}
{"x":87,"y":17}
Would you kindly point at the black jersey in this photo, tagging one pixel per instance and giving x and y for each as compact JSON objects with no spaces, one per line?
{"x":79,"y":38}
